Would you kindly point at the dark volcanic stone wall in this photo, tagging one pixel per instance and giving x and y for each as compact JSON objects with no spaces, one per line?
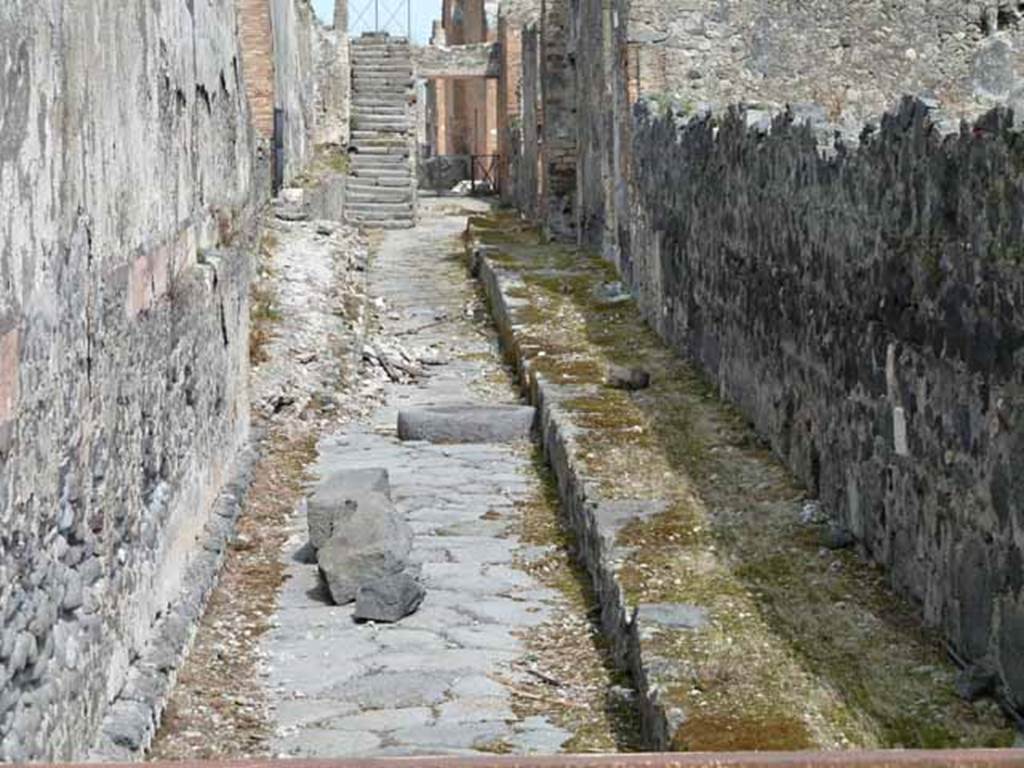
{"x":866,"y":309}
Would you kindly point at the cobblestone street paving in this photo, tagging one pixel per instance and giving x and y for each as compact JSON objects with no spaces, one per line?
{"x":501,"y":656}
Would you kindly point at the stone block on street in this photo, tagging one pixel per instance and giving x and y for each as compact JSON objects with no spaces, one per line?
{"x":466,"y":423}
{"x":388,"y":599}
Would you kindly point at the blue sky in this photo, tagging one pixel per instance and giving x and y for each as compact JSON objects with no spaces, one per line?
{"x":423,"y":13}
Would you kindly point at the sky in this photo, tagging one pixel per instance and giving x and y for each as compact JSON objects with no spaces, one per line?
{"x":423,"y":13}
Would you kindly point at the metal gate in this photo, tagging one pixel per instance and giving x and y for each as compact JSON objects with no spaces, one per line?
{"x":391,"y":16}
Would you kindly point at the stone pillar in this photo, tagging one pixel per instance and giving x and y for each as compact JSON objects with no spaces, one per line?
{"x":341,"y":15}
{"x":558,"y":78}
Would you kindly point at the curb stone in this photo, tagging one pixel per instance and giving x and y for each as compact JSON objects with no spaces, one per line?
{"x":132,"y":718}
{"x":591,"y":520}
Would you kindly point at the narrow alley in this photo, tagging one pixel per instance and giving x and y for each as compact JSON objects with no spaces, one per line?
{"x":537,"y":383}
{"x":503,"y":655}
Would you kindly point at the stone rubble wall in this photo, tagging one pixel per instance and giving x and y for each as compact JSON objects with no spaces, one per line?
{"x":852,"y":57}
{"x":129,"y":180}
{"x":861,"y":303}
{"x":865,"y":308}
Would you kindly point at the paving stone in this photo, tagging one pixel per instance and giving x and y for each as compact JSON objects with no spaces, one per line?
{"x":676,"y":615}
{"x":478,"y":686}
{"x":324,"y":743}
{"x":459,"y":661}
{"x":401,"y":640}
{"x":380,"y":720}
{"x":295,"y":713}
{"x":396,"y":690}
{"x":507,"y":612}
{"x":490,"y":636}
{"x":476,"y":710}
{"x":452,"y":735}
{"x":468,"y":423}
{"x":315,"y":678}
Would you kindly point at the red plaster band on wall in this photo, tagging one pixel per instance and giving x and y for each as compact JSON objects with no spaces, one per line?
{"x":9,"y":348}
{"x":150,"y":274}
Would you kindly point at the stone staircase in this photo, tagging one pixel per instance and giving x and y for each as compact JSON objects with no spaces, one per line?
{"x":381,"y":189}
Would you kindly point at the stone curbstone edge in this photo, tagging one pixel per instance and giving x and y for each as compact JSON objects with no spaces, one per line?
{"x":132,"y":718}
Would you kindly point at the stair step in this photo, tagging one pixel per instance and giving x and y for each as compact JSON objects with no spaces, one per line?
{"x":402,"y":152}
{"x":379,"y":209}
{"x":378,"y":196}
{"x":389,"y":66}
{"x":368,"y":186}
{"x":395,"y":112}
{"x":371,"y":126}
{"x":374,"y":177}
{"x":363,"y":138}
{"x":360,"y":160}
{"x":384,"y":78}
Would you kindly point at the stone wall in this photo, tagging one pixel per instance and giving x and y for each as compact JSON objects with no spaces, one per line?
{"x":860,"y":301}
{"x":559,"y":123}
{"x":852,"y":57}
{"x":294,"y":82}
{"x":126,"y":158}
{"x":292,"y":62}
{"x":331,"y":86}
{"x":523,"y":185}
{"x":865,"y":308}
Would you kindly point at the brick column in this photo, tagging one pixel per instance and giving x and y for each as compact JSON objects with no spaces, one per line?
{"x":257,"y":43}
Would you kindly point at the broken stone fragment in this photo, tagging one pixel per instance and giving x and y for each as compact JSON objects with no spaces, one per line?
{"x":373,"y":541}
{"x":975,"y":681}
{"x":466,"y":423}
{"x":621,"y":377}
{"x":837,"y":537}
{"x":327,"y":510}
{"x":388,"y":599}
{"x":346,"y":569}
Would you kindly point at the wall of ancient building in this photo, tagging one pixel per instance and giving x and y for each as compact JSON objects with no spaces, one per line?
{"x":294,"y":63}
{"x":859,"y":301}
{"x":853,"y":57}
{"x":522,"y":187}
{"x":864,"y":309}
{"x":126,"y":158}
{"x":129,"y":181}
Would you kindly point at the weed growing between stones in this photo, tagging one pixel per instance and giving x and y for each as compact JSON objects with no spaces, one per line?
{"x":586,"y":695}
{"x":263,"y":311}
{"x":218,"y":707}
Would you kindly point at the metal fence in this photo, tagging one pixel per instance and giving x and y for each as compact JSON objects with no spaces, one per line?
{"x":391,"y":16}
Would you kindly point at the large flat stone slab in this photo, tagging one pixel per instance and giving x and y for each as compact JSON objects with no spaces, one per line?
{"x":467,"y":423}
